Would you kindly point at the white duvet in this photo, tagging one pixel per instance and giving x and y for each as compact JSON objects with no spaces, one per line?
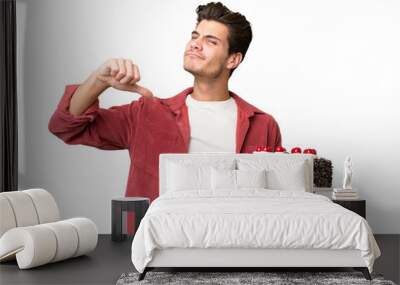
{"x":251,"y":218}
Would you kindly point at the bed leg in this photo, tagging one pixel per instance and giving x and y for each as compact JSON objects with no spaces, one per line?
{"x":364,"y":271}
{"x":143,"y":274}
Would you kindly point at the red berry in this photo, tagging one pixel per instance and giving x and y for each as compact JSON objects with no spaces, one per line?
{"x":296,"y":150}
{"x":280,"y":149}
{"x":310,"y":151}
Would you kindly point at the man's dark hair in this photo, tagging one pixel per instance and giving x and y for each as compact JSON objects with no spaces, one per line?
{"x":240,"y":33}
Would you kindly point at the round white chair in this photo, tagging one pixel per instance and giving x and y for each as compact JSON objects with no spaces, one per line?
{"x":32,"y":233}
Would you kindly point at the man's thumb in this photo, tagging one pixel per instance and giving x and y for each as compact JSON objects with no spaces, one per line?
{"x":141,"y":90}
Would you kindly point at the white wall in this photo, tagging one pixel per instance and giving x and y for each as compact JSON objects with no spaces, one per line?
{"x":328,"y":71}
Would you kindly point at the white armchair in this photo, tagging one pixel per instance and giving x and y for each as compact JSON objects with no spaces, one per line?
{"x":32,"y":233}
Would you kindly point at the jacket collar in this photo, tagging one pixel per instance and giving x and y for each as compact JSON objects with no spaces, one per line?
{"x":175,"y":103}
{"x":245,"y":110}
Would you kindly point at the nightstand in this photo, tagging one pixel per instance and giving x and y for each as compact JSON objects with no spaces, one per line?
{"x":139,"y":205}
{"x":357,"y":206}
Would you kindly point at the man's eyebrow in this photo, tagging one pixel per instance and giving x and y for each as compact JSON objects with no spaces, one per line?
{"x":207,"y":36}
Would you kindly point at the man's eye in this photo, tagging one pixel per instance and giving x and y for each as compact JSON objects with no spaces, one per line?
{"x":214,"y":43}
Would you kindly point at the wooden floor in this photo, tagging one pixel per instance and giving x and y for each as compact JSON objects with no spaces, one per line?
{"x":111,"y":259}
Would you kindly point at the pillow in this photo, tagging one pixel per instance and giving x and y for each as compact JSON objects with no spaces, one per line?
{"x":237,"y":179}
{"x":223,"y":179}
{"x":284,"y":172}
{"x":187,"y":177}
{"x":290,"y":178}
{"x":194,"y":172}
{"x":251,"y":178}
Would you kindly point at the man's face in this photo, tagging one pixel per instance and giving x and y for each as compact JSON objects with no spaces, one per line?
{"x":206,"y":54}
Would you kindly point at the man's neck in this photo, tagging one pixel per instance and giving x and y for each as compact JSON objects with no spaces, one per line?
{"x":206,"y":90}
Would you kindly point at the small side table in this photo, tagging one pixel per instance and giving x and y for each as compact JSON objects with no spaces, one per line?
{"x":139,"y":205}
{"x":357,"y":206}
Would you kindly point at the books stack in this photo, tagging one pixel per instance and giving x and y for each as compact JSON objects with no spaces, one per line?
{"x":344,"y":194}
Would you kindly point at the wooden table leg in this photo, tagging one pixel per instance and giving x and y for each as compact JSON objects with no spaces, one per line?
{"x":116,"y":221}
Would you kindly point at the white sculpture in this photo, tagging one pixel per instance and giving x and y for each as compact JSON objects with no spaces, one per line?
{"x":348,"y":172}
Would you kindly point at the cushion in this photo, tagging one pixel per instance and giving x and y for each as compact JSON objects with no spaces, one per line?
{"x":31,"y":231}
{"x":229,"y":179}
{"x":284,"y":171}
{"x":7,"y":215}
{"x":27,"y":208}
{"x":288,"y":178}
{"x":223,"y":179}
{"x":45,"y":205}
{"x":23,"y":208}
{"x":46,"y":243}
{"x":191,"y":177}
{"x":193,"y":174}
{"x":251,"y":178}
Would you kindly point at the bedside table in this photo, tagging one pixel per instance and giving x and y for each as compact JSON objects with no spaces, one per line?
{"x":139,"y":205}
{"x":357,"y":206}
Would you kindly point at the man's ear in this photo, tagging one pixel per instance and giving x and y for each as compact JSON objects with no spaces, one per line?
{"x":234,"y":60}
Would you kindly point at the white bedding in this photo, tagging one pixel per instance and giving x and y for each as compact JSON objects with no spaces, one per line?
{"x":250,"y":218}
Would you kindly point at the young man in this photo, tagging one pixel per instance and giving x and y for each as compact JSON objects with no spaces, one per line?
{"x":205,"y":117}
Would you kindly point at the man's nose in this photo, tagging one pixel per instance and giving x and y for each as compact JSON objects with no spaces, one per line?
{"x":196,"y":44}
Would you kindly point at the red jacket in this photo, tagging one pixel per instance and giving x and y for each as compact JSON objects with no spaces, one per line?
{"x":150,"y":126}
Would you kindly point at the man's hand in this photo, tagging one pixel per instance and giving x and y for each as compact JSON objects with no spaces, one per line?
{"x":121,"y":74}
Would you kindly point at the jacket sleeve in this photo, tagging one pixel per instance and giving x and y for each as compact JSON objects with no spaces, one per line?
{"x":274,"y":137}
{"x":108,"y":129}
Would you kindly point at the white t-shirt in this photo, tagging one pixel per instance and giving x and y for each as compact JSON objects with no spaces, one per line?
{"x":212,"y":125}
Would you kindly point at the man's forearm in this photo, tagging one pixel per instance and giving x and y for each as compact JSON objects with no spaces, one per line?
{"x":86,"y":94}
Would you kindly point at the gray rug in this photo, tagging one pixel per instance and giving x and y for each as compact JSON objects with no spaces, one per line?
{"x":231,"y":278}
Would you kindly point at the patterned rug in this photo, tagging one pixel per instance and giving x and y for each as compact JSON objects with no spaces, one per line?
{"x":242,"y":278}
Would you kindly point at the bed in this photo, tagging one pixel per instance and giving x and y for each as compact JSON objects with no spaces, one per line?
{"x":247,"y":210}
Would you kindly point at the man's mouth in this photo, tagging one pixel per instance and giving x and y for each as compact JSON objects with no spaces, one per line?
{"x":195,"y":55}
